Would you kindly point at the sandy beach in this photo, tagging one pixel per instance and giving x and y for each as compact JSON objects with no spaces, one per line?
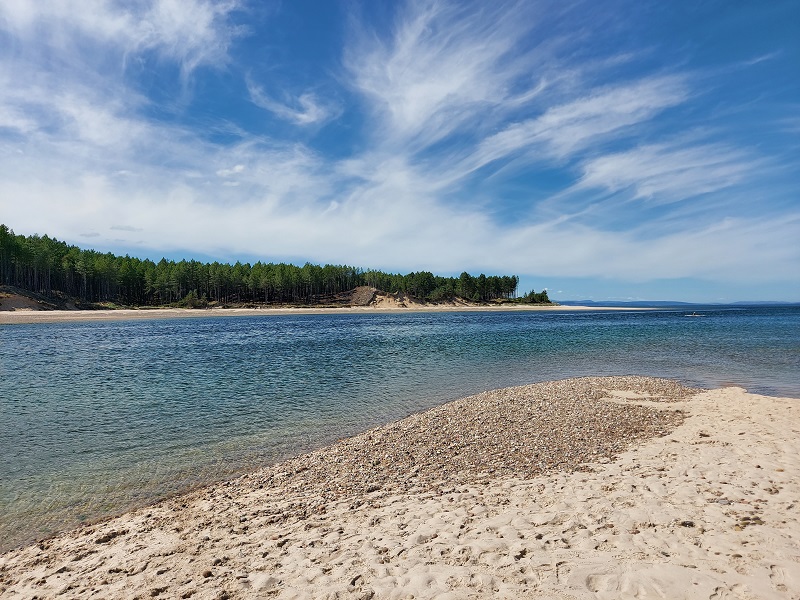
{"x":9,"y":317}
{"x":620,"y":487}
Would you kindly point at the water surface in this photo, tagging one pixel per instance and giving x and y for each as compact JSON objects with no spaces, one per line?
{"x":101,"y":416}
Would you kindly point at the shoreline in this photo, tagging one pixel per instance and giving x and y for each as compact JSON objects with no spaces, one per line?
{"x":128,"y":314}
{"x":612,"y":493}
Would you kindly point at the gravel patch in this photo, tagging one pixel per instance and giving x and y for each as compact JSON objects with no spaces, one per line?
{"x":520,"y":432}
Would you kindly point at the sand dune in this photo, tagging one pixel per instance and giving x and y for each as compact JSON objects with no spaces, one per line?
{"x":708,"y":508}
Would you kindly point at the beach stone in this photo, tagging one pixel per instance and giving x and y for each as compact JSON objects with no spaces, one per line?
{"x":521,"y":433}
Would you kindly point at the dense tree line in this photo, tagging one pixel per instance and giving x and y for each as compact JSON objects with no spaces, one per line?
{"x":53,"y":268}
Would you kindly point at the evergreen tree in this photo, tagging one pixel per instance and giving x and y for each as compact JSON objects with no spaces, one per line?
{"x":53,"y":268}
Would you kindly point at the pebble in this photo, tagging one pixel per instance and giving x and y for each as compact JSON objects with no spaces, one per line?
{"x":520,"y":432}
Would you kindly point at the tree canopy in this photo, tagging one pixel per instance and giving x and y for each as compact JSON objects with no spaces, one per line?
{"x":53,"y":268}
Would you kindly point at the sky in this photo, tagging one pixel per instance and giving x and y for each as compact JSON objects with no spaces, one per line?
{"x":616,"y":150}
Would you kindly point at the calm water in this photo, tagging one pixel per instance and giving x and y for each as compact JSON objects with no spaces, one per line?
{"x":98,"y":417}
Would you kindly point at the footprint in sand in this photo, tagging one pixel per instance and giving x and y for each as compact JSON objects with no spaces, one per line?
{"x":562,"y":570}
{"x":777,"y":577}
{"x":597,"y":582}
{"x":615,"y":585}
{"x":735,"y":592}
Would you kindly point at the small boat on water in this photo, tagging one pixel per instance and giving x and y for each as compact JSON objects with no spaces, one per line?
{"x":694,"y":314}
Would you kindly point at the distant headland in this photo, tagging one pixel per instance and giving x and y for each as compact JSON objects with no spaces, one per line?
{"x":43,"y":273}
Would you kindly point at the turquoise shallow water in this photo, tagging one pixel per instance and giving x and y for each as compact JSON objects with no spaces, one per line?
{"x":98,"y":417}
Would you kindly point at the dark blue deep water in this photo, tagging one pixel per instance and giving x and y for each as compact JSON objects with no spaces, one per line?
{"x":97,"y":417}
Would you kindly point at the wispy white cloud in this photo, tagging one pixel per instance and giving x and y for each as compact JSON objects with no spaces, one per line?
{"x":575,"y":125}
{"x":97,"y":123}
{"x":791,"y":124}
{"x":443,"y":65}
{"x":472,"y":76}
{"x":761,"y":58}
{"x":62,"y":80}
{"x":14,"y":119}
{"x":191,"y":32}
{"x":306,"y":109}
{"x":234,"y":170}
{"x":567,"y":128}
{"x":670,"y":172}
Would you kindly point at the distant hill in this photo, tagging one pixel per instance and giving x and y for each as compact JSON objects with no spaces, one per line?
{"x":766,"y":303}
{"x":669,"y":303}
{"x":632,"y":304}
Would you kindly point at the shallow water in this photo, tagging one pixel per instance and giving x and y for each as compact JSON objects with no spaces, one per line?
{"x":98,"y":417}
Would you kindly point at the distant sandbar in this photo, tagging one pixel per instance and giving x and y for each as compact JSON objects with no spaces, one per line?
{"x":58,"y":316}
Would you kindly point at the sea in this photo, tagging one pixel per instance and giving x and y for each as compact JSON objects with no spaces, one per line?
{"x":100,"y":417}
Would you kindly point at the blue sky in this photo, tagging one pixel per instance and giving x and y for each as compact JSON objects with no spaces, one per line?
{"x":602,"y":150}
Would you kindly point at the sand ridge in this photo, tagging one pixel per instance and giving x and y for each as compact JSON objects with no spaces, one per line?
{"x":709,"y":508}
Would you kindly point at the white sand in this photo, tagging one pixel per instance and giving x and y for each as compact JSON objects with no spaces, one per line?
{"x":708,"y":511}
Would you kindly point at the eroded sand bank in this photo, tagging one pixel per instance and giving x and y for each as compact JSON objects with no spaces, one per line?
{"x":507,"y":494}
